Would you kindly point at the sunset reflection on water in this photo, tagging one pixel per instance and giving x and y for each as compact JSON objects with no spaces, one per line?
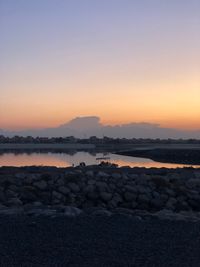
{"x":66,"y":160}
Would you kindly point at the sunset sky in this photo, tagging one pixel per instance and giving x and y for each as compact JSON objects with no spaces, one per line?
{"x":122,"y":60}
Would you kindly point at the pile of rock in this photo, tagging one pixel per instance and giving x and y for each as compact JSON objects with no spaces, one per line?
{"x":150,"y":190}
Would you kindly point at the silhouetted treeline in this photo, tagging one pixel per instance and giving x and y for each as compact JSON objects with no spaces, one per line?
{"x":91,"y":140}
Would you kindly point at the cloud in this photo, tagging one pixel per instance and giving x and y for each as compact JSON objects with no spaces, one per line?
{"x":84,"y":127}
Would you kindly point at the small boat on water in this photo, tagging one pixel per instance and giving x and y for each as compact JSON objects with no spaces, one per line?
{"x":103,"y":158}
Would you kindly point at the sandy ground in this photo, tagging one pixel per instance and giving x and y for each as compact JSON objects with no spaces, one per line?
{"x":98,"y":241}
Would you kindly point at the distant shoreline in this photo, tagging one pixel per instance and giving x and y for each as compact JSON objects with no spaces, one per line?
{"x":45,"y":146}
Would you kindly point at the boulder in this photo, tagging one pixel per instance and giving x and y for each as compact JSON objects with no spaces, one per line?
{"x":91,"y":182}
{"x":102,"y":175}
{"x":72,"y":211}
{"x":28,"y":196}
{"x":157,"y":203}
{"x":64,"y":190}
{"x":142,"y":198}
{"x":88,"y":189}
{"x":42,"y":185}
{"x":57,"y":195}
{"x":14,"y":202}
{"x":197,"y":174}
{"x":92,"y":195}
{"x":131,"y":188}
{"x":130,"y":196}
{"x":11,"y":194}
{"x":74,"y":187}
{"x":89,"y":173}
{"x":105,"y":196}
{"x":21,"y":175}
{"x":2,"y":196}
{"x":101,"y":212}
{"x":101,"y":186}
{"x":193,"y":183}
{"x":171,"y":203}
{"x":60,"y":182}
{"x":116,"y":175}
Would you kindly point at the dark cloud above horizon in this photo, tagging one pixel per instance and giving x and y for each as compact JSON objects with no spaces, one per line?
{"x":84,"y":127}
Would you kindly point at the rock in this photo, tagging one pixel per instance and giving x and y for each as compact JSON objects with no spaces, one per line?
{"x":115,"y":201}
{"x":130,"y":188}
{"x":41,"y":212}
{"x":45,"y":197}
{"x":170,"y":192}
{"x":194,"y":195}
{"x":2,"y":207}
{"x":90,"y":173}
{"x":134,"y":204}
{"x":64,"y":190}
{"x":2,"y":196}
{"x":91,"y":182}
{"x":101,"y":212}
{"x":112,"y":186}
{"x":197,"y":174}
{"x":105,"y":196}
{"x":155,"y":194}
{"x":92,"y":195}
{"x":193,"y":183}
{"x":13,"y":188}
{"x":88,"y":189}
{"x":57,"y":195}
{"x":42,"y":185}
{"x":142,"y":179}
{"x":194,"y":204}
{"x":116,"y":175}
{"x":102,"y":186}
{"x":72,"y":211}
{"x":124,"y":176}
{"x":182,"y":205}
{"x":60,"y":182}
{"x":133,"y":176}
{"x":11,"y":194}
{"x":102,"y":175}
{"x":21,"y":175}
{"x":175,"y":179}
{"x":171,"y":203}
{"x":28,"y":196}
{"x":124,"y":211}
{"x":157,"y":203}
{"x":129,"y":196}
{"x":30,"y":178}
{"x":117,"y":198}
{"x":164,"y":214}
{"x":164,"y":197}
{"x":74,"y":187}
{"x":142,"y":198}
{"x":37,"y":204}
{"x":14,"y":202}
{"x":143,"y":189}
{"x":11,"y":211}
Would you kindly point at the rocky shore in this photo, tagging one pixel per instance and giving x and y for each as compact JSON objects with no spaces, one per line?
{"x":172,"y":154}
{"x":104,"y":189}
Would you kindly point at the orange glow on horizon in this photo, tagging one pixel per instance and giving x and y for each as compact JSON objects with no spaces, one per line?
{"x":174,"y":106}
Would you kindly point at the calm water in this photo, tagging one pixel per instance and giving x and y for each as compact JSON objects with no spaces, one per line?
{"x":65,"y":160}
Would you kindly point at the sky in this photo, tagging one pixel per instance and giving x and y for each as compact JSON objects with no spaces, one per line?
{"x":122,"y":60}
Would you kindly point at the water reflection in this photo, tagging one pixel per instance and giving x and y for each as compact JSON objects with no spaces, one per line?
{"x":66,"y":160}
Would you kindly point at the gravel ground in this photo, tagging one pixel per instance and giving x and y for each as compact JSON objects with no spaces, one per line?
{"x":101,"y":241}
